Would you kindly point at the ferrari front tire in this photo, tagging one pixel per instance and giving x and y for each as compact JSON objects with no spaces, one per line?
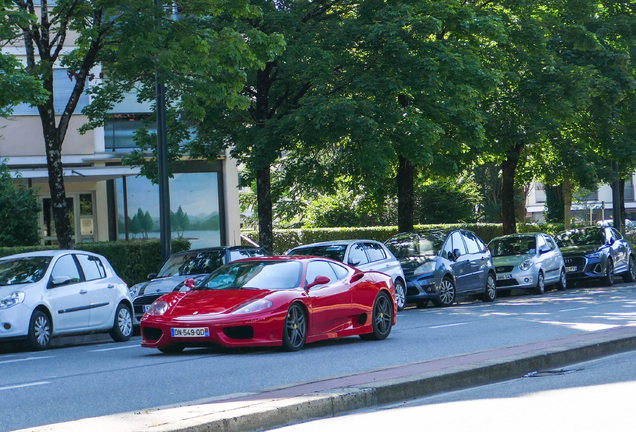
{"x":295,"y":329}
{"x":381,"y":318}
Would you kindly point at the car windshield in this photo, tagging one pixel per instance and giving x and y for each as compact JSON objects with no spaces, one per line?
{"x":516,"y":245}
{"x":336,"y":252}
{"x":581,"y":237}
{"x":23,"y":270}
{"x":192,"y":263}
{"x":427,"y":243}
{"x":275,"y":275}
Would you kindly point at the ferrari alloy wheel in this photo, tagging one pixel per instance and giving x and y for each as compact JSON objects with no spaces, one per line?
{"x":123,"y":327}
{"x":490,"y":294}
{"x":295,"y":330}
{"x":446,"y":293}
{"x":630,"y":275}
{"x":382,"y":318}
{"x":400,"y":294}
{"x":563,"y":281}
{"x":608,"y":279}
{"x":40,"y":331}
{"x":540,"y":288}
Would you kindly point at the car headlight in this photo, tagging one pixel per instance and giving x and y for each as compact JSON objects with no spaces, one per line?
{"x":134,"y":290}
{"x":158,"y":308}
{"x":526,"y":265}
{"x":427,"y":267}
{"x":255,"y":306}
{"x":595,"y":255}
{"x":12,"y":300}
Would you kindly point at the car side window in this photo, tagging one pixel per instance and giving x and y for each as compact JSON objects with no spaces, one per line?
{"x":550,"y":243}
{"x":91,"y":266}
{"x":375,"y":252}
{"x":458,"y":243}
{"x":257,"y":253}
{"x":447,"y":249}
{"x":66,"y":266}
{"x":356,"y":253}
{"x":471,"y":244}
{"x":616,"y":235}
{"x":340,"y":271}
{"x":319,"y":268}
{"x":238,"y":254}
{"x":540,"y":242}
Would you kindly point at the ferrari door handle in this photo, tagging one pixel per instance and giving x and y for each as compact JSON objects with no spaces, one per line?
{"x":83,"y":292}
{"x":111,"y":286}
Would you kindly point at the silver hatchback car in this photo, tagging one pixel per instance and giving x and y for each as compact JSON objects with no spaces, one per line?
{"x":527,"y":261}
{"x":366,"y":255}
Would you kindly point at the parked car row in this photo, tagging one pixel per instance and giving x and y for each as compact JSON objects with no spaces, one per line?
{"x":237,"y":296}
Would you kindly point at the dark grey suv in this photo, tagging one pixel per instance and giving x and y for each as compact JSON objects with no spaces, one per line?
{"x":440,"y":265}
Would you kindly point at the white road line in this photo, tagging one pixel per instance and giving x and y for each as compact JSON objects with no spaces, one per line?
{"x":25,"y":385}
{"x":116,"y":348}
{"x":24,"y":359}
{"x":567,"y":310}
{"x":448,"y":325}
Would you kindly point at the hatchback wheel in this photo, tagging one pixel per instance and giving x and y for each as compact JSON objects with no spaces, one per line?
{"x":608,"y":279}
{"x":400,"y":294}
{"x":563,"y":281}
{"x":540,"y":288}
{"x":446,"y":293}
{"x":490,"y":294}
{"x":40,"y":331}
{"x":630,"y":274}
{"x":382,"y":318}
{"x":123,"y":326}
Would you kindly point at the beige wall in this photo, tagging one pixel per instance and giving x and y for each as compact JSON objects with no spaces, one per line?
{"x":232,"y":209}
{"x":22,"y":136}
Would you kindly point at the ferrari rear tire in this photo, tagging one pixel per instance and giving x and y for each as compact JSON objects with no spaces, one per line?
{"x":400,"y":294}
{"x":171,"y":349}
{"x":381,"y":318}
{"x":295,"y":329}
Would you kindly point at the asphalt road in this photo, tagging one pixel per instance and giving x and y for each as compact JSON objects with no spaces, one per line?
{"x":91,"y":380}
{"x":586,"y":397}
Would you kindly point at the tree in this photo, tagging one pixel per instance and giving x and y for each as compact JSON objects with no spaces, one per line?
{"x":446,"y":201}
{"x":19,"y":210}
{"x":180,"y":221}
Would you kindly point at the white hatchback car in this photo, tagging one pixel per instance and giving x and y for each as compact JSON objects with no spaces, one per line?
{"x":52,"y":293}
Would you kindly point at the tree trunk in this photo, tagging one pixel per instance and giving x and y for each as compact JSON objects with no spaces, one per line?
{"x":264,"y":197}
{"x":567,"y":202}
{"x":509,"y":169}
{"x":405,"y":181}
{"x":621,"y":188}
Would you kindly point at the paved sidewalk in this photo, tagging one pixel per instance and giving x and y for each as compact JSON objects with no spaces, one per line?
{"x":292,"y":404}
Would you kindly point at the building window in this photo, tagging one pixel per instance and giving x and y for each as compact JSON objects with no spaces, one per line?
{"x":62,"y":89}
{"x":539,"y":192}
{"x":82,"y":216}
{"x":629,"y":189}
{"x":119,"y":130}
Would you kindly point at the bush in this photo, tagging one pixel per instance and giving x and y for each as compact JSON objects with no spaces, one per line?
{"x":132,"y":261}
{"x":18,"y":212}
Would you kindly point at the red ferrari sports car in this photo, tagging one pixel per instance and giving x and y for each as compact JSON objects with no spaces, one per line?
{"x":273,"y":301}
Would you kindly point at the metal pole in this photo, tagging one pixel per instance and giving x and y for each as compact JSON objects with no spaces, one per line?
{"x":616,"y":199}
{"x":165,"y":234}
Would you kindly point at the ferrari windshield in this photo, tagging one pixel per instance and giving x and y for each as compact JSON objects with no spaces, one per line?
{"x":23,"y":270}
{"x":336,"y":252}
{"x":426,"y":243}
{"x":581,"y":237}
{"x":516,"y":245}
{"x":192,"y":263}
{"x":274,"y":275}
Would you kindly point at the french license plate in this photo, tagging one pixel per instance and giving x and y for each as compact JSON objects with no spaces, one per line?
{"x":190,"y":332}
{"x":571,"y":269}
{"x":147,"y":308}
{"x":504,"y":276}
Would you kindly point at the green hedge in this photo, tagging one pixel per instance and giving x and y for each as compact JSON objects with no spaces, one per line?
{"x":290,"y":238}
{"x":132,"y":260}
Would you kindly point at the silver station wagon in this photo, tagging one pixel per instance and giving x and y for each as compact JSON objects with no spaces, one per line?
{"x":527,"y":261}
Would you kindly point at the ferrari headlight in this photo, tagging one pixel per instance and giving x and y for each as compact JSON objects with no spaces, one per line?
{"x":526,"y":265}
{"x":255,"y":306}
{"x":12,"y":300}
{"x":158,"y":308}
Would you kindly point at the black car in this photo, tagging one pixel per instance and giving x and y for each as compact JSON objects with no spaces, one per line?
{"x":195,"y":264}
{"x":440,"y":265}
{"x":596,"y":253}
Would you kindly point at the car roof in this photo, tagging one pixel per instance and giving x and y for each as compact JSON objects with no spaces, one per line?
{"x":215,"y":248}
{"x":337,"y":243}
{"x":51,"y":253}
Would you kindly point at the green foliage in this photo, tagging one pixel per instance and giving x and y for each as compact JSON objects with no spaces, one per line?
{"x":446,"y":201}
{"x":19,"y":212}
{"x":180,"y":221}
{"x":132,"y":261}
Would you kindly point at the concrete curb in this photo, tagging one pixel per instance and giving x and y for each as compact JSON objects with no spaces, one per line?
{"x":268,"y":409}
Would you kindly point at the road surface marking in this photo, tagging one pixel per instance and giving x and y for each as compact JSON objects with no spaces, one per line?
{"x":24,"y":359}
{"x":567,"y":310}
{"x":448,"y":325}
{"x":24,"y":385}
{"x":116,"y":348}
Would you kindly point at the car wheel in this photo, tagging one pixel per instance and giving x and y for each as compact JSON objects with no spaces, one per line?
{"x":608,"y":279}
{"x":123,"y":326}
{"x":40,"y":331}
{"x":172,"y":349}
{"x":630,"y":274}
{"x":400,"y":294}
{"x":446,"y":293}
{"x":295,"y":330}
{"x":563,"y":281}
{"x":540,"y":288}
{"x":490,"y":294}
{"x":381,"y":318}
